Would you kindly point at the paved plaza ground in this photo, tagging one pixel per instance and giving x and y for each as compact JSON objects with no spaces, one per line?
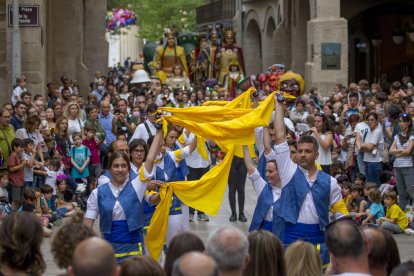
{"x":203,"y":229}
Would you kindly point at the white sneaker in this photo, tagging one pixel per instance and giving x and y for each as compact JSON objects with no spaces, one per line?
{"x":409,"y":232}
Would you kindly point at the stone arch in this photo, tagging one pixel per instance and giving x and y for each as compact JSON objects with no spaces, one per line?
{"x":253,"y":48}
{"x":299,"y":36}
{"x":269,"y":43}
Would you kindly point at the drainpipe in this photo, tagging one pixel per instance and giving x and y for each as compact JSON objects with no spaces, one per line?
{"x":16,"y":68}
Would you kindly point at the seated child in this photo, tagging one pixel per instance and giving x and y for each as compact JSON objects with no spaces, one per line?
{"x":5,"y":207}
{"x":358,"y":200}
{"x":64,"y":205}
{"x":375,"y":210}
{"x":31,"y":204}
{"x":46,"y":202}
{"x":395,"y":219}
{"x":360,"y":179}
{"x":346,"y":195}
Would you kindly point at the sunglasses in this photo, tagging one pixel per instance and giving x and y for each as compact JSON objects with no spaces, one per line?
{"x":403,"y":115}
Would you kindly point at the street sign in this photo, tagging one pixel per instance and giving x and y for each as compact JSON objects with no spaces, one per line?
{"x":28,"y":15}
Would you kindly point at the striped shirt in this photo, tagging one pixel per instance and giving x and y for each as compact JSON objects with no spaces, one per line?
{"x":406,"y":161}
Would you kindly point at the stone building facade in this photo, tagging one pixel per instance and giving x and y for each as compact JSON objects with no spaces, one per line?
{"x":327,"y":41}
{"x":70,"y":40}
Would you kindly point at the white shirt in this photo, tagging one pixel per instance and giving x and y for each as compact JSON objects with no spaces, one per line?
{"x":325,"y":156}
{"x":375,"y":137}
{"x":287,"y":169}
{"x":194,"y":160}
{"x":258,"y":185}
{"x":16,"y":94}
{"x":28,"y":171}
{"x":142,"y":133}
{"x":361,"y":128}
{"x":74,"y":126}
{"x":51,"y":179}
{"x":118,"y":212}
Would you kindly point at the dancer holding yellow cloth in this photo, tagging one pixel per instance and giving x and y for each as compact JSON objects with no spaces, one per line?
{"x":206,"y":194}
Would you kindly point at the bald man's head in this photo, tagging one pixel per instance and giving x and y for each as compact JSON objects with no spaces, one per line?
{"x":94,"y":256}
{"x":229,"y":247}
{"x":195,"y":264}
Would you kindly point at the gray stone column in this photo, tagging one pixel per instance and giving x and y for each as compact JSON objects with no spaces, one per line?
{"x":326,"y":26}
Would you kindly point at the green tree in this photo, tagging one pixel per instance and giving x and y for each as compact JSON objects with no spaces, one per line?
{"x":155,"y":15}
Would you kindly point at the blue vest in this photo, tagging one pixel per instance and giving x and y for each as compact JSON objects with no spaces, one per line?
{"x":130,"y":204}
{"x":264,"y":202}
{"x":293,"y":195}
{"x":171,"y":171}
{"x":182,"y":170}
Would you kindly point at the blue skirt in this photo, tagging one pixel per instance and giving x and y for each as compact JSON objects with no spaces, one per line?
{"x":124,"y":242}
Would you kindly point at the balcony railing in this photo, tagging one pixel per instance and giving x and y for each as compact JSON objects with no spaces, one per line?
{"x":216,"y":11}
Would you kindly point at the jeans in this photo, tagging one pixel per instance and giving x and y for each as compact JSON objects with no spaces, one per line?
{"x":237,"y":181}
{"x":196,"y":174}
{"x":373,"y":172}
{"x":361,"y":163}
{"x":28,"y":184}
{"x":405,"y":185}
{"x":392,"y":227}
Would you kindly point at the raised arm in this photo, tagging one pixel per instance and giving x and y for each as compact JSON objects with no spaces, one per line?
{"x":153,"y":151}
{"x":279,"y":123}
{"x":193,"y":144}
{"x":248,"y":160}
{"x":266,"y":140}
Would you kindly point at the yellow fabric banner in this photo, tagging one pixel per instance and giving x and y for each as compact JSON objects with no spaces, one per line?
{"x":206,"y":194}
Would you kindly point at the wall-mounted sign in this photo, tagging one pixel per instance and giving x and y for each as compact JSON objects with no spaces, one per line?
{"x":28,"y":15}
{"x":331,"y":56}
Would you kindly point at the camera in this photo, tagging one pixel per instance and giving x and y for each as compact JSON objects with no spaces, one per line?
{"x":117,"y":111}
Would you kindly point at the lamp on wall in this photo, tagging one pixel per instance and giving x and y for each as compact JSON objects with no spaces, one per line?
{"x":376,"y":40}
{"x":410,"y":32}
{"x":398,"y":35}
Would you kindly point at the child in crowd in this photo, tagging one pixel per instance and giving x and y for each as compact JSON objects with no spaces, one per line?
{"x":16,"y":174}
{"x":395,"y":219}
{"x":48,"y":204}
{"x":31,"y":204}
{"x":64,"y":205}
{"x":4,"y":181}
{"x":122,"y":137}
{"x":5,"y":207}
{"x":360,"y":179}
{"x":51,"y":171}
{"x":92,"y":142}
{"x":358,"y":200}
{"x":80,"y":157}
{"x":28,"y":155}
{"x":346,"y":194}
{"x":375,"y":210}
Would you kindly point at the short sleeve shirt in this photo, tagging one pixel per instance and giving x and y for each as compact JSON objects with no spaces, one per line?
{"x":395,"y":212}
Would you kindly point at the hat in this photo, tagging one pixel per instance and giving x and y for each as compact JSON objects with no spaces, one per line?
{"x":140,"y":76}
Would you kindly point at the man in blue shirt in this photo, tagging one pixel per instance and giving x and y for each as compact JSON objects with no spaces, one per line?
{"x":18,"y":118}
{"x":105,"y":119}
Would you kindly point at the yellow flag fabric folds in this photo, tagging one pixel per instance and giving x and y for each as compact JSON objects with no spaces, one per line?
{"x":206,"y":194}
{"x":203,"y":114}
{"x":237,"y":131}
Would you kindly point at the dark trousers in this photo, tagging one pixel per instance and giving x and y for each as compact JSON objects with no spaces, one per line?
{"x":196,"y":174}
{"x":237,"y":181}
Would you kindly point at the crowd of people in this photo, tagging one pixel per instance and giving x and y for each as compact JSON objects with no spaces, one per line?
{"x":321,"y":158}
